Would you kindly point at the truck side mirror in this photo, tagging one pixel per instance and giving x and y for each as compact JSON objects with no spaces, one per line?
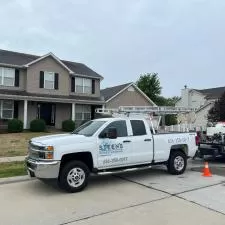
{"x":112,"y":133}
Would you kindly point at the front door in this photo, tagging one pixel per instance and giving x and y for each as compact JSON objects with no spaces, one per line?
{"x":114,"y":153}
{"x":47,"y":113}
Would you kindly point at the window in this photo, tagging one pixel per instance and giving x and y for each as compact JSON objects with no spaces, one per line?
{"x":49,"y":80}
{"x":79,"y":85}
{"x":89,"y":128}
{"x":87,"y":86}
{"x":6,"y":109}
{"x":83,"y":85}
{"x":83,"y":112}
{"x":120,"y":126}
{"x":7,"y":76}
{"x":138,"y":127}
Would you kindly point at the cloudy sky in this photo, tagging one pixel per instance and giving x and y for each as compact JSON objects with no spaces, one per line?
{"x":182,"y":40}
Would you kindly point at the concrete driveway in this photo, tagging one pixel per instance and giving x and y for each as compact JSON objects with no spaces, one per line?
{"x":144,"y":197}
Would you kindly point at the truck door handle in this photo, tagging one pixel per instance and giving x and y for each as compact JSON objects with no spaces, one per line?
{"x":126,"y":141}
{"x":148,"y":139}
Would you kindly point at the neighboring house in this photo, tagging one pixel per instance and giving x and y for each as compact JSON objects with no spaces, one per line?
{"x":47,"y":87}
{"x":125,"y":95}
{"x":200,"y":99}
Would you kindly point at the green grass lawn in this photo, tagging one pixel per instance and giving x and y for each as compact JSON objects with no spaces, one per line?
{"x":15,"y":144}
{"x":11,"y":169}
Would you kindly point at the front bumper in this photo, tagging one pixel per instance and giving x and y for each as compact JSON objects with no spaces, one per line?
{"x":42,"y":169}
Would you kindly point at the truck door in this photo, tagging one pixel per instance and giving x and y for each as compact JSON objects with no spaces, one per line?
{"x":114,"y":152}
{"x":142,"y":142}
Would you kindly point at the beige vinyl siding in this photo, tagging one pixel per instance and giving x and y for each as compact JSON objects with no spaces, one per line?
{"x":51,"y":65}
{"x":63,"y":112}
{"x":128,"y":98}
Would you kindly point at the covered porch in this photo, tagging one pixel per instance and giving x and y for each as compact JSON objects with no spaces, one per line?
{"x":52,"y":111}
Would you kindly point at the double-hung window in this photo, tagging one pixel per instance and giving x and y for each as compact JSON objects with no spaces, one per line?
{"x":49,"y":80}
{"x":83,"y":112}
{"x":87,"y":85}
{"x":83,"y":85}
{"x":79,"y":85}
{"x":6,"y":109}
{"x":7,"y":76}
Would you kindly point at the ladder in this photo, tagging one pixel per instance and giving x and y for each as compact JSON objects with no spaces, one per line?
{"x":156,"y":110}
{"x":152,"y":114}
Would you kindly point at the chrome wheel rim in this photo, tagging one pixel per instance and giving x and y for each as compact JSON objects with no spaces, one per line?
{"x":179,"y":163}
{"x":76,"y":177}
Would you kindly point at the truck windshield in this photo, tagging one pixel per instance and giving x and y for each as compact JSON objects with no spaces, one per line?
{"x":89,"y":128}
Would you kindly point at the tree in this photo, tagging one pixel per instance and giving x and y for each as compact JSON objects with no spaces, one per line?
{"x":217,"y":112}
{"x":149,"y":83}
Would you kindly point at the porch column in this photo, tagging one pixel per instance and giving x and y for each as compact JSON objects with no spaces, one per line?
{"x":25,"y":115}
{"x":73,"y":111}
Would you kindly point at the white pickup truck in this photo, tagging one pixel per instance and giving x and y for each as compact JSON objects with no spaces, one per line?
{"x":108,"y":145}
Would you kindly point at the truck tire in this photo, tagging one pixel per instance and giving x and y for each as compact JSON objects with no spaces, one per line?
{"x":73,"y":176}
{"x":177,"y":162}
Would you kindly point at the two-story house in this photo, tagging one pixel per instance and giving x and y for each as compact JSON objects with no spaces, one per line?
{"x":47,"y":87}
{"x":200,"y":99}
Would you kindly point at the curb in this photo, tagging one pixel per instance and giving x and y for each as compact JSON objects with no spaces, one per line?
{"x":12,"y":159}
{"x":10,"y":180}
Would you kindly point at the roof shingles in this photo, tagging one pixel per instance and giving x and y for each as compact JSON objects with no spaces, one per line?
{"x":70,"y":97}
{"x":111,"y":91}
{"x":212,"y":93}
{"x":21,"y":59}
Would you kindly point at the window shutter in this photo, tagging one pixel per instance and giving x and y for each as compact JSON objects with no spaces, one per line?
{"x":17,"y":78}
{"x":56,"y":84}
{"x":16,"y":110}
{"x":72,"y":84}
{"x":93,"y":86}
{"x":41,"y":84}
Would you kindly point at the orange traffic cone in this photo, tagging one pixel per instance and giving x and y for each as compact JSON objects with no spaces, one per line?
{"x":206,"y":171}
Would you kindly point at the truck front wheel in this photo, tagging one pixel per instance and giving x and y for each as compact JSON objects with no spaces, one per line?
{"x":177,"y":162}
{"x":73,"y":176}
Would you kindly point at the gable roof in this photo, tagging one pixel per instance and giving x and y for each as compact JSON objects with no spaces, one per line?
{"x":212,"y":93}
{"x":24,"y":60}
{"x":204,"y":106}
{"x":111,"y":92}
{"x":54,"y":57}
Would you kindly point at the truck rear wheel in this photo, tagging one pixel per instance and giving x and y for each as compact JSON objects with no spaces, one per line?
{"x":73,"y":176}
{"x":177,"y":162}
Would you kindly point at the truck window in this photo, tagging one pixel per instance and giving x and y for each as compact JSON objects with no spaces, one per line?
{"x":89,"y":128}
{"x":138,"y":127}
{"x":121,"y":127}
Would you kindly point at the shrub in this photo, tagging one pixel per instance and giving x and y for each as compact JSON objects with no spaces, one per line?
{"x":15,"y":126}
{"x":68,"y":125}
{"x":37,"y":125}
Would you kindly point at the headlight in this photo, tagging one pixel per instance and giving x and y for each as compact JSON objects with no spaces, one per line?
{"x":49,"y":155}
{"x":49,"y":148}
